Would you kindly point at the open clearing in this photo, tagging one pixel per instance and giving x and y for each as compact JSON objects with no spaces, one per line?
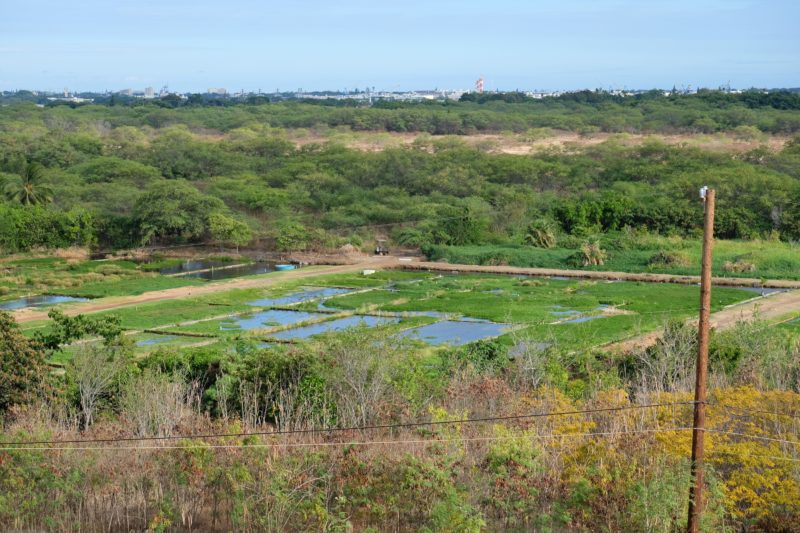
{"x":524,"y":144}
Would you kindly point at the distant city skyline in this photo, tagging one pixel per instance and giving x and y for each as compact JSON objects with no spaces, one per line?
{"x":248,"y":45}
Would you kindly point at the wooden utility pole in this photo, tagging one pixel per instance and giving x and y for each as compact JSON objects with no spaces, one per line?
{"x":698,"y":431}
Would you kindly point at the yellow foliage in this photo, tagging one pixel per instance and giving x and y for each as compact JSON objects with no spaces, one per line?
{"x":749,"y":446}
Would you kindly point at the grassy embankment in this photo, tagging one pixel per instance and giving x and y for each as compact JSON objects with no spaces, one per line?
{"x":769,"y":259}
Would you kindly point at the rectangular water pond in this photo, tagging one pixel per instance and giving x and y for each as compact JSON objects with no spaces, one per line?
{"x":156,"y":340}
{"x":265,"y":319}
{"x":192,"y":265}
{"x":43,"y":300}
{"x":456,"y":332}
{"x":230,"y":272}
{"x":300,"y":297}
{"x":333,"y":325}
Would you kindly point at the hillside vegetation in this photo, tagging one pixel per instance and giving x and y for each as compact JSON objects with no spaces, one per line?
{"x":122,"y":176}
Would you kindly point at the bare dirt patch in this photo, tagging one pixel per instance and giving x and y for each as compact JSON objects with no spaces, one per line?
{"x":522,"y":144}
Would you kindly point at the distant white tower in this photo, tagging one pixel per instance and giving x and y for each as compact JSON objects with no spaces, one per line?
{"x":479,"y":85}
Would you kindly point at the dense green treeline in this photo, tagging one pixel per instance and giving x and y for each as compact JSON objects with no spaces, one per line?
{"x":166,"y":183}
{"x":586,"y":111}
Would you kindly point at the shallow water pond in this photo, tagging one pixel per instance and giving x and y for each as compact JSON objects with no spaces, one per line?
{"x":300,"y":297}
{"x":191,"y":266}
{"x":43,"y":300}
{"x":265,"y":319}
{"x":456,"y":332}
{"x":156,"y":340}
{"x":230,"y":272}
{"x":333,"y":325}
{"x":763,"y":291}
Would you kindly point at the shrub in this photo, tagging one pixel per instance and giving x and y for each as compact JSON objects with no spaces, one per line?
{"x":740,"y":265}
{"x":23,"y":373}
{"x":664,"y":259}
{"x":541,"y":233}
{"x":590,"y":254}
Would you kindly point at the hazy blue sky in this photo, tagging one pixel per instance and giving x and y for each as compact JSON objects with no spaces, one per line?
{"x":318,"y":44}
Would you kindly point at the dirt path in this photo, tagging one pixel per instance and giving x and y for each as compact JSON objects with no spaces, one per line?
{"x":769,"y":307}
{"x":115,"y":302}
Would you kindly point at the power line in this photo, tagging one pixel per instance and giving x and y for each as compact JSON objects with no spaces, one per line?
{"x":354,"y":443}
{"x":343,"y":429}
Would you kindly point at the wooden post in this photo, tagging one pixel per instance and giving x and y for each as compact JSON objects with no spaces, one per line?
{"x":698,"y":431}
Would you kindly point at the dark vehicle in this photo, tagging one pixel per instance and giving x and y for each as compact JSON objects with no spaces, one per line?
{"x":381,"y":248}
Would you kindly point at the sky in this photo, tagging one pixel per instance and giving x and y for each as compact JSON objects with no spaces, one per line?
{"x":192,"y":45}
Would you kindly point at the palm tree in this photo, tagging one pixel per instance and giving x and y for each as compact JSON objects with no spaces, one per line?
{"x":29,"y":188}
{"x":541,"y":233}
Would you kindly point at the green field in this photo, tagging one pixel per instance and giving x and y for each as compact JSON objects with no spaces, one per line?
{"x":535,"y":309}
{"x":769,"y":260}
{"x":82,"y":278}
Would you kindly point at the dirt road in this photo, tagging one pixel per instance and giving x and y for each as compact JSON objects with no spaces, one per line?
{"x":769,"y":307}
{"x":115,"y":302}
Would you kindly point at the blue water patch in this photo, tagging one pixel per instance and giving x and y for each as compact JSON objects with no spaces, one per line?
{"x":432,"y":314}
{"x":191,"y":266}
{"x":456,"y":332}
{"x":333,"y":325}
{"x":157,"y":340}
{"x":265,"y":319}
{"x":43,"y":300}
{"x":763,"y":291}
{"x":560,"y":310}
{"x":230,"y":272}
{"x":299,"y":297}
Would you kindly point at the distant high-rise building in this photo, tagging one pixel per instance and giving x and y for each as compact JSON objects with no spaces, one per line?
{"x":149,"y":92}
{"x":217,"y":90}
{"x":126,"y":92}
